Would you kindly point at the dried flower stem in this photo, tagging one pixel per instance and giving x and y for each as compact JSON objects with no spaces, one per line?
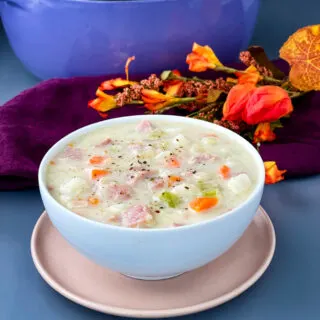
{"x":234,"y":71}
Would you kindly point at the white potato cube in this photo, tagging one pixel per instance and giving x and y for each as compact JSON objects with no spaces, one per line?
{"x":239,"y":183}
{"x":180,"y":140}
{"x":209,"y":141}
{"x":74,"y":187}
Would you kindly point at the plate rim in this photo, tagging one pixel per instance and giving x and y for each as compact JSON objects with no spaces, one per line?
{"x":160,"y":313}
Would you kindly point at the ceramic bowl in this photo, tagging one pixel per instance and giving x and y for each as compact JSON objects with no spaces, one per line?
{"x":65,"y":38}
{"x":152,"y":253}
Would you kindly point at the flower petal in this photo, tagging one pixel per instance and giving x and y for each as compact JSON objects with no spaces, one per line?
{"x":174,"y":89}
{"x":115,"y":83}
{"x":263,"y":133}
{"x":273,"y":174}
{"x":153,"y":96}
{"x":202,"y":58}
{"x":103,"y":103}
{"x":267,"y":104}
{"x":250,"y":75}
{"x":236,"y":101}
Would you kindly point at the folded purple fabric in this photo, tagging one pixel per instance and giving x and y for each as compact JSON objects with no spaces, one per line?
{"x":37,"y":118}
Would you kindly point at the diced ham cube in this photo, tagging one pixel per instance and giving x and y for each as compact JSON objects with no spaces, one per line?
{"x":202,"y":158}
{"x":138,"y":174}
{"x":135,"y":146}
{"x":156,"y":184}
{"x":118,"y":192}
{"x":144,"y":126}
{"x":136,"y":216}
{"x":72,"y":153}
{"x":176,"y":225}
{"x":104,"y":143}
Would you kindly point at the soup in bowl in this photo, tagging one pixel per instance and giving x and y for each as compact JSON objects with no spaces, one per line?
{"x":151,"y":196}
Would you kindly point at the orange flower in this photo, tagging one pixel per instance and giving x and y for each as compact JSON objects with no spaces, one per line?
{"x":155,"y":100}
{"x":236,"y":101}
{"x":202,"y":58}
{"x":173,"y":88}
{"x":273,"y":174}
{"x":250,"y":75}
{"x":103,"y":102}
{"x":267,"y":104}
{"x":113,"y":84}
{"x":263,"y":133}
{"x":119,"y":82}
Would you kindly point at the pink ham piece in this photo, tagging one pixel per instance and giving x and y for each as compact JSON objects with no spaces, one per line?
{"x":202,"y":158}
{"x":144,"y":126}
{"x":136,"y":216}
{"x":118,"y":192}
{"x":177,"y":225}
{"x":72,"y":153}
{"x":104,"y":143}
{"x":138,"y":174}
{"x":157,"y":183}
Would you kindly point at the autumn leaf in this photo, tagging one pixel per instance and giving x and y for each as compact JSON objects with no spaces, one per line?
{"x":213,"y":95}
{"x":302,"y":52}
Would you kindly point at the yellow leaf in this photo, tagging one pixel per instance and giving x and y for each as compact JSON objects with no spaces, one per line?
{"x":302,"y":52}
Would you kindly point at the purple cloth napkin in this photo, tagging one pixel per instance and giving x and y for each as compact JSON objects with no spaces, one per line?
{"x":37,"y":118}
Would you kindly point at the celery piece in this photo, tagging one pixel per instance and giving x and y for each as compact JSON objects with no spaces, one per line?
{"x":210,"y":193}
{"x":156,"y":134}
{"x":206,"y":189}
{"x":170,"y":198}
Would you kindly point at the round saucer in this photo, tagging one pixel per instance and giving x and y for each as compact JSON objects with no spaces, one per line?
{"x":98,"y":288}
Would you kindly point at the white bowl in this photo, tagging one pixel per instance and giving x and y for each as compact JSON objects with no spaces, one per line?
{"x":152,"y":253}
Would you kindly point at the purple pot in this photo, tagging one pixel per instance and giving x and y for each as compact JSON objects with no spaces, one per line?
{"x":63,"y":38}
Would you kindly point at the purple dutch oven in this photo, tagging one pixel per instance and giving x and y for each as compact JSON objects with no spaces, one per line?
{"x":63,"y":38}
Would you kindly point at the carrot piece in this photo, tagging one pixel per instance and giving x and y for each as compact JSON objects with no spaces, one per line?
{"x":225,"y":171}
{"x":52,"y":162}
{"x":71,"y":145}
{"x":173,"y":162}
{"x":201,"y":204}
{"x":96,"y":160}
{"x":98,"y":173}
{"x":94,"y":201}
{"x":173,"y":179}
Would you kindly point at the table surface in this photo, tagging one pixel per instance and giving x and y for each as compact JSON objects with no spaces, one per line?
{"x":290,"y":289}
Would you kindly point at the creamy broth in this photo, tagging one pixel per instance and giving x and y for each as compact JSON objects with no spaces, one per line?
{"x":151,"y":175}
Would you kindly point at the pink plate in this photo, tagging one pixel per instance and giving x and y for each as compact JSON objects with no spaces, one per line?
{"x":95,"y":287}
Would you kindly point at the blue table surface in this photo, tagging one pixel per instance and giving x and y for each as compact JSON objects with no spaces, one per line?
{"x":290,"y":289}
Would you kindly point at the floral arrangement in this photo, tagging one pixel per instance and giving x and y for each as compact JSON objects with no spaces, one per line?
{"x":250,"y":102}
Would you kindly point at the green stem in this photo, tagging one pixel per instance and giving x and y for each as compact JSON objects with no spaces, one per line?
{"x":187,"y":79}
{"x":204,"y":109}
{"x":233,"y":71}
{"x":225,"y":70}
{"x":136,"y":102}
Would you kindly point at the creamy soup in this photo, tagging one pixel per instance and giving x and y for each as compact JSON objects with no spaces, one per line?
{"x":151,"y":175}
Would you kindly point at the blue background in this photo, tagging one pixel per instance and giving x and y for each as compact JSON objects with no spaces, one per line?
{"x":290,"y":289}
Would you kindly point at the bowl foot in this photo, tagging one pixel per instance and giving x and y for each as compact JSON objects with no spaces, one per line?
{"x":153,"y":278}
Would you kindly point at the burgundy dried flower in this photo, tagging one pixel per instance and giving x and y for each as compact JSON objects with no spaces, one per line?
{"x":152,"y":83}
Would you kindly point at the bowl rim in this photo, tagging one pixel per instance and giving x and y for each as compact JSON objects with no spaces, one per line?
{"x":134,"y":119}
